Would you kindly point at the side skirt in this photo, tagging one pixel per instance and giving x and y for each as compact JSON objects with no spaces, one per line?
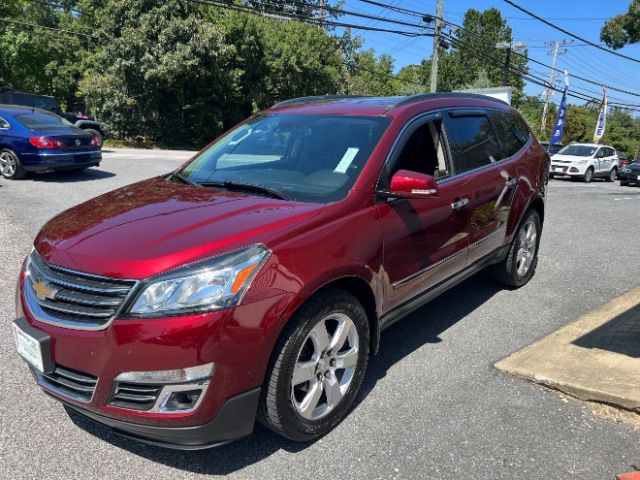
{"x":415,"y":303}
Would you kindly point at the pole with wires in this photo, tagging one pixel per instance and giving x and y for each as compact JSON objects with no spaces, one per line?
{"x":436,"y":47}
{"x":552,"y":76}
{"x":509,"y":47}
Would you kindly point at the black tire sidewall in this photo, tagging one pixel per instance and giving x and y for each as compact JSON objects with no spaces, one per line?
{"x":515,"y":279}
{"x":293,"y":425}
{"x":588,"y":176}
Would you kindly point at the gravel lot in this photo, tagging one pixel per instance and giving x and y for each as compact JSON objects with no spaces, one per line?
{"x":432,"y":406}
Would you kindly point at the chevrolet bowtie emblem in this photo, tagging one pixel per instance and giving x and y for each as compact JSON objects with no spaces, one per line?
{"x":43,"y":291}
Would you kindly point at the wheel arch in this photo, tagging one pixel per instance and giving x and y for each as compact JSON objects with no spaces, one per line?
{"x":356,"y":286}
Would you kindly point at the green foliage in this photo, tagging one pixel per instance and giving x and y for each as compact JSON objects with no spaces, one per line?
{"x":623,"y":29}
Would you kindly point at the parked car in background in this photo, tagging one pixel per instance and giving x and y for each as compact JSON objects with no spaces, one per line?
{"x":552,"y":149}
{"x":623,"y":161}
{"x":34,"y":140}
{"x":630,"y":174}
{"x":44,"y":102}
{"x":585,"y":161}
{"x":254,"y":281}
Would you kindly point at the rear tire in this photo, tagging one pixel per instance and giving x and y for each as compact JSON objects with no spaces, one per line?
{"x":521,"y":262}
{"x":10,"y":166}
{"x":306,"y":393}
{"x":613,"y":174}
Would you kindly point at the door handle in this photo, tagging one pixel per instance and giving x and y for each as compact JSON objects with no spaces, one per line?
{"x":459,"y":203}
{"x":512,"y":182}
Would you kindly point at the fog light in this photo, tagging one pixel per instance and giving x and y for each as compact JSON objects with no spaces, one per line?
{"x":179,"y":375}
{"x":178,"y":401}
{"x":574,"y":169}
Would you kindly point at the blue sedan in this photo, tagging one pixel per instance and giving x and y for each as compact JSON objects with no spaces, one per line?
{"x":34,"y":140}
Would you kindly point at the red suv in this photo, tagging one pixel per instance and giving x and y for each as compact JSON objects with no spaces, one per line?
{"x":254,"y":281}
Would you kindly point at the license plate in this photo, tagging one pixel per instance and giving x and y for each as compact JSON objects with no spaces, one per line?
{"x":638,"y":177}
{"x":28,"y":347}
{"x":556,"y":169}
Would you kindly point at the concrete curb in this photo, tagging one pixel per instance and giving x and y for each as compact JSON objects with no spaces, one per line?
{"x":597,"y":372}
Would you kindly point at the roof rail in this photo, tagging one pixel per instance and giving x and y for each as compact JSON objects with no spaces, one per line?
{"x":316,"y":98}
{"x":430,"y":96}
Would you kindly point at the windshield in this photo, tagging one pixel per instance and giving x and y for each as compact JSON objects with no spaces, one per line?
{"x":42,"y":121}
{"x":310,"y":158}
{"x":578,"y":150}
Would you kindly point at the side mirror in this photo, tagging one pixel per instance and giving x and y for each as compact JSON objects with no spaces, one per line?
{"x":408,"y":184}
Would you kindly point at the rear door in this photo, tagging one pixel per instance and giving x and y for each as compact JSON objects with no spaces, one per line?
{"x":484,"y":150}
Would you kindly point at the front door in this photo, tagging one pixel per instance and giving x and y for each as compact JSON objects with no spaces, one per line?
{"x":424,"y":240}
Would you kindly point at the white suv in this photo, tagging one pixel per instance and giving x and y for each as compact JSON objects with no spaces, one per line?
{"x":586,"y":161}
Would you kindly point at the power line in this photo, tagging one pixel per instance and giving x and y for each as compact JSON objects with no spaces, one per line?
{"x":37,"y":25}
{"x":566,"y":32}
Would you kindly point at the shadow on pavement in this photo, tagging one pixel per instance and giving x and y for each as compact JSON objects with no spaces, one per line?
{"x":619,"y":335}
{"x":71,"y":177}
{"x":421,"y":327}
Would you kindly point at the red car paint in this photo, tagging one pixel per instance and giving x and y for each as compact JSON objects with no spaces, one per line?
{"x":361,"y":242}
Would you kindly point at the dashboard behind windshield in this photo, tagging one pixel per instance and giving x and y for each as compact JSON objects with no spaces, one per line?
{"x":310,"y":158}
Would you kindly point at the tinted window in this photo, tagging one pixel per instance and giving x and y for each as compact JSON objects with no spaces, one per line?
{"x":505,"y":128}
{"x":472,"y":141}
{"x":42,"y":121}
{"x":315,"y":158}
{"x":520,"y":127}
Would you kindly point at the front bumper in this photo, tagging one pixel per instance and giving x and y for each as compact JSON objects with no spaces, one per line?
{"x":234,"y":420}
{"x":629,"y":176}
{"x":567,"y":169}
{"x":50,"y":161}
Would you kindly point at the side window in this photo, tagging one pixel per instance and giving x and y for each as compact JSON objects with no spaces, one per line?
{"x":472,"y":141}
{"x":520,"y":127}
{"x":505,"y":128}
{"x":4,"y":124}
{"x":424,"y":152}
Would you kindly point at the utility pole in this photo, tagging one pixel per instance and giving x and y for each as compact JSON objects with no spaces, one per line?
{"x":436,"y":47}
{"x":509,"y":47}
{"x":552,"y":77}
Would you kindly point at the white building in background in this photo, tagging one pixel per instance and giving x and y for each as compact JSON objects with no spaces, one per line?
{"x":501,"y":93}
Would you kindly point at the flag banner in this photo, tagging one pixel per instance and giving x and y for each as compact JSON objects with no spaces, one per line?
{"x":558,"y":130}
{"x":602,"y":119}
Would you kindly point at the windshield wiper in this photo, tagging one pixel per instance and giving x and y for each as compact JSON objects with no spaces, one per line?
{"x":183,"y":179}
{"x":248,"y":187}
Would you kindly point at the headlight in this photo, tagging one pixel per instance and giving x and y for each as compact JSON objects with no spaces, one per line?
{"x":212,"y":284}
{"x":580,"y":161}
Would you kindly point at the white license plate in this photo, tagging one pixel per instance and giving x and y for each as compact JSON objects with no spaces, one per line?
{"x":28,"y":347}
{"x":638,"y":177}
{"x":556,"y":169}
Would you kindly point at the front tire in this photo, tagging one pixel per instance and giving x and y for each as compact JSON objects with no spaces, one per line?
{"x":521,"y":262}
{"x":10,"y":166}
{"x":588,"y":175}
{"x":624,"y":184}
{"x":317,"y":367}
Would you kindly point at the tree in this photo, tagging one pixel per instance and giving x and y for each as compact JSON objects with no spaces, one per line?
{"x":623,"y":29}
{"x":371,"y":75}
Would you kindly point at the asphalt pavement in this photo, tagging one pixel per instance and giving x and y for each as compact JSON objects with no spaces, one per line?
{"x":432,"y":405}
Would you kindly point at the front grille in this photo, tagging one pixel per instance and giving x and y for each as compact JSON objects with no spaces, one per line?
{"x":71,"y":383}
{"x":559,"y":169}
{"x":73,"y":298}
{"x":135,"y":396}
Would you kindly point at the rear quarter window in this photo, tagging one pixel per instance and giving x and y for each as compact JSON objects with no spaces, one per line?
{"x":472,"y":141}
{"x":506,"y":128}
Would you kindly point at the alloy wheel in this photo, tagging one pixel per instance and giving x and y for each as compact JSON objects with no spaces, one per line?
{"x":7,"y":164}
{"x":528,"y":237}
{"x":325,"y":366}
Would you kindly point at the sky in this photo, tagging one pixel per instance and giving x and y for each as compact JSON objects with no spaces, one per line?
{"x":582,"y":17}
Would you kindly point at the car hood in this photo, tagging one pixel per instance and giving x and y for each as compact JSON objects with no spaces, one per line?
{"x":634,"y":167}
{"x":143,"y":229}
